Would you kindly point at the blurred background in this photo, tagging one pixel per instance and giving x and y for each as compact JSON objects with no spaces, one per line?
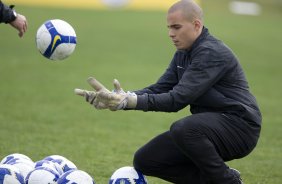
{"x":127,"y":40}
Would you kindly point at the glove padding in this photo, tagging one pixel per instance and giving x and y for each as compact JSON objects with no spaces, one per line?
{"x":117,"y":101}
{"x":102,"y":98}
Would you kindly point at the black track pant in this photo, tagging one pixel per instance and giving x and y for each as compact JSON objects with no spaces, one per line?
{"x":195,"y":149}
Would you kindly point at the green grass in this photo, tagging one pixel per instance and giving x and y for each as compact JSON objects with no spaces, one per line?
{"x":40,"y":115}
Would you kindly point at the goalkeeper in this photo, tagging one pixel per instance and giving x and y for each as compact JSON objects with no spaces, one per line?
{"x":205,"y":74}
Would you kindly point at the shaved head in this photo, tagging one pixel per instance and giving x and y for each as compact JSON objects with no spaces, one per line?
{"x":185,"y":23}
{"x":189,"y":8}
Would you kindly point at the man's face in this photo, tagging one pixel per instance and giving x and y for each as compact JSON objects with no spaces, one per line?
{"x":181,"y":30}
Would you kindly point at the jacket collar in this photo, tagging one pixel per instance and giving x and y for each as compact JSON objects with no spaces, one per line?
{"x":203,"y":35}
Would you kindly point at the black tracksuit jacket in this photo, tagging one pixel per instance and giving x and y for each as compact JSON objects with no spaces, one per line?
{"x":208,"y":77}
{"x":6,"y":14}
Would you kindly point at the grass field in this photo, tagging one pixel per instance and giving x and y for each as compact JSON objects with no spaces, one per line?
{"x":40,"y":115}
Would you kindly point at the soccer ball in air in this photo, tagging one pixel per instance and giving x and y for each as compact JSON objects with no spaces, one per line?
{"x":77,"y":177}
{"x":127,"y":175}
{"x":56,"y":39}
{"x":10,"y":175}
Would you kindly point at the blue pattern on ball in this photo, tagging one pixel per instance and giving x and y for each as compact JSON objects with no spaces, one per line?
{"x":6,"y":171}
{"x":56,"y":39}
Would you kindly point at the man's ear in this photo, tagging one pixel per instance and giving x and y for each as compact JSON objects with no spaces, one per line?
{"x":198,"y":24}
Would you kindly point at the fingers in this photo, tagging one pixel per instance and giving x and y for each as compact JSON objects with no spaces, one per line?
{"x":26,"y":24}
{"x":90,"y":96}
{"x":20,"y":34}
{"x":80,"y":92}
{"x":23,"y":29}
{"x":20,"y":24}
{"x":117,"y":86}
{"x":96,"y":84}
{"x":102,"y":98}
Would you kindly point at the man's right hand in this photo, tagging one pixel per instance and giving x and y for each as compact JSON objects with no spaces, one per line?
{"x":20,"y":23}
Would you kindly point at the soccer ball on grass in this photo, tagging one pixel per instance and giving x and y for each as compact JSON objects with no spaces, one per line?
{"x":9,"y":174}
{"x":13,"y":156}
{"x":62,"y":162}
{"x":42,"y":175}
{"x":24,"y":165}
{"x":127,"y":175}
{"x":76,"y":176}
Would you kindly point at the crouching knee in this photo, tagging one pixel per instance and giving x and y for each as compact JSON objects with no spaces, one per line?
{"x":183,"y":131}
{"x":177,"y":131}
{"x":140,"y":163}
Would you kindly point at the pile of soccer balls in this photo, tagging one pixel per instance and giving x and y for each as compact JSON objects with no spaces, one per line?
{"x":20,"y":169}
{"x":55,"y":169}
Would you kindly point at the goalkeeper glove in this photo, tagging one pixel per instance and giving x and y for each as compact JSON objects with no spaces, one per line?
{"x":117,"y":101}
{"x":102,"y":98}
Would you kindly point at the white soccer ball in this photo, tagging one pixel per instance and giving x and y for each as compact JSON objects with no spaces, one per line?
{"x":63,"y":162}
{"x":10,"y":175}
{"x":56,"y":39}
{"x":65,"y":165}
{"x":24,"y":165}
{"x":53,"y":157}
{"x":42,"y":175}
{"x":12,"y":156}
{"x":127,"y":175}
{"x":46,"y":163}
{"x":75,"y":176}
